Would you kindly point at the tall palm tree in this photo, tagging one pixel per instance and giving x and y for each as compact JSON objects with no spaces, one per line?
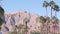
{"x":45,"y":4}
{"x":26,"y":20}
{"x":51,"y":4}
{"x":55,"y":21}
{"x":47,"y":23}
{"x":1,"y":15}
{"x":56,"y":8}
{"x":42,"y":20}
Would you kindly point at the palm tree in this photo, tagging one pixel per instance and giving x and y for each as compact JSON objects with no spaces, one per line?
{"x":26,"y":20}
{"x":56,"y":8}
{"x":55,"y":21}
{"x":42,"y":20}
{"x":51,"y":4}
{"x":47,"y":23}
{"x":45,"y":4}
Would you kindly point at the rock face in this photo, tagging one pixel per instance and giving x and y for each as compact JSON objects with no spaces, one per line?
{"x":17,"y":17}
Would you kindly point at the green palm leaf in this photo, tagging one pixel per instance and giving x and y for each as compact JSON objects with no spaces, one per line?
{"x":52,"y":3}
{"x":55,"y":20}
{"x":1,"y":21}
{"x":42,"y":19}
{"x":1,"y":11}
{"x":45,"y":4}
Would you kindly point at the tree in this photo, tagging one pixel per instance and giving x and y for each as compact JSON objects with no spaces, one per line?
{"x":1,"y":12}
{"x":56,"y":9}
{"x":51,"y":4}
{"x":19,"y":27}
{"x":42,"y":20}
{"x":47,"y":23}
{"x":55,"y":22}
{"x":26,"y":20}
{"x":1,"y":15}
{"x":45,"y":4}
{"x":1,"y":22}
{"x":35,"y":32}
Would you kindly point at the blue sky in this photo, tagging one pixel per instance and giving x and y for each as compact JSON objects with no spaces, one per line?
{"x":33,"y":6}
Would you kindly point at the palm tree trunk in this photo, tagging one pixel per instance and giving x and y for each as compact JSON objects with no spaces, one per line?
{"x":47,"y":28}
{"x":58,"y":30}
{"x":54,"y":30}
{"x":51,"y":12}
{"x":42,"y":29}
{"x":46,"y":11}
{"x":55,"y":14}
{"x":26,"y":28}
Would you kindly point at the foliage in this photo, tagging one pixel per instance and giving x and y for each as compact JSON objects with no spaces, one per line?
{"x":1,"y":14}
{"x":21,"y":26}
{"x":45,"y":4}
{"x":54,"y":19}
{"x":47,"y":18}
{"x":51,"y":3}
{"x":42,"y":19}
{"x":1,"y":11}
{"x":26,"y":20}
{"x":1,"y":21}
{"x":56,"y":8}
{"x":35,"y":32}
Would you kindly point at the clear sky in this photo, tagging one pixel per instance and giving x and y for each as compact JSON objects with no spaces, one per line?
{"x":33,"y":6}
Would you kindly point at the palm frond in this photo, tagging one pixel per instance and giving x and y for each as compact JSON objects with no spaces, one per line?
{"x":45,"y":4}
{"x":1,"y":11}
{"x":42,"y":19}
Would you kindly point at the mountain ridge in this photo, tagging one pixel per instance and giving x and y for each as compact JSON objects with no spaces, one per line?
{"x":17,"y":17}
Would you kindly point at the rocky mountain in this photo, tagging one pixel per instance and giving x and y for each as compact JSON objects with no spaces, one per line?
{"x":17,"y":17}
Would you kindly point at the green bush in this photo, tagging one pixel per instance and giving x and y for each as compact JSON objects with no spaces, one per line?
{"x":35,"y":32}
